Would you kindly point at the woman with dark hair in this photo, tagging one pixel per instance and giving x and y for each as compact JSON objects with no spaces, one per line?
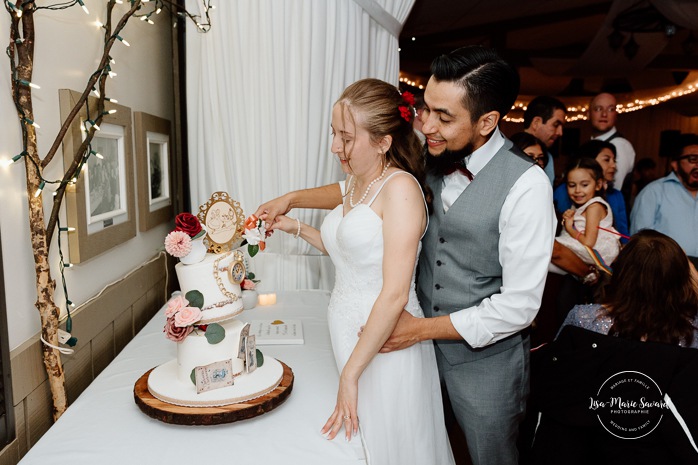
{"x":531,"y":146}
{"x":605,"y":154}
{"x":651,"y":296}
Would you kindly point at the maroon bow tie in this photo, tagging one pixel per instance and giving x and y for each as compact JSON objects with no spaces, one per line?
{"x":452,"y":168}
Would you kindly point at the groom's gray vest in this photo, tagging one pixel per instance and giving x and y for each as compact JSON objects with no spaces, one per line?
{"x":459,"y":264}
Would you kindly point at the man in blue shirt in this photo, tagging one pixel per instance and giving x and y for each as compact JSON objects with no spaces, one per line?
{"x":670,"y":204}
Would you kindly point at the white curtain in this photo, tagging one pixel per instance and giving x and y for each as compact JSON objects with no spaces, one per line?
{"x":260,"y":87}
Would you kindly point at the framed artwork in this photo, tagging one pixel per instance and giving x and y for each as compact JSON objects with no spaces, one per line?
{"x":101,"y":204}
{"x":153,"y":162}
{"x":105,"y":179}
{"x":224,"y":222}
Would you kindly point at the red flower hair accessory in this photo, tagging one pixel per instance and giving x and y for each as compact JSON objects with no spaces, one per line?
{"x":405,"y":112}
{"x":409,"y":98}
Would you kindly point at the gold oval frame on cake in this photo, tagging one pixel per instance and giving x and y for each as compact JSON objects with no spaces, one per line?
{"x":224,"y":222}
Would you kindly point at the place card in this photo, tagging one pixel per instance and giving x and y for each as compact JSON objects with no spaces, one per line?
{"x":284,"y":331}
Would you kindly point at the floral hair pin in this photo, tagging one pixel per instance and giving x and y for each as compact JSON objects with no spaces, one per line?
{"x":409,"y":98}
{"x":405,"y":111}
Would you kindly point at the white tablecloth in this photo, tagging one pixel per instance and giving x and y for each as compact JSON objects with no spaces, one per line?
{"x":104,"y":425}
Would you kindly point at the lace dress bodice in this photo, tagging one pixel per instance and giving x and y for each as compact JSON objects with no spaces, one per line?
{"x":355,"y":244}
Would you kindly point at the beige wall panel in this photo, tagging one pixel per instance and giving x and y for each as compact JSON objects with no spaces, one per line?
{"x":102,"y":350}
{"x":39,"y":417}
{"x":78,"y":371}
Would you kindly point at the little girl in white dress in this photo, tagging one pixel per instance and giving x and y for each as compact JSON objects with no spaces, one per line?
{"x":589,"y":224}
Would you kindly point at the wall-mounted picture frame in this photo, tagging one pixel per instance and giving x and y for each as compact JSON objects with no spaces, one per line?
{"x":153,"y":167}
{"x":224,"y":221}
{"x":101,"y":204}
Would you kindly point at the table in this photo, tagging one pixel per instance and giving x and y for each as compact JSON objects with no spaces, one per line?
{"x":105,"y":426}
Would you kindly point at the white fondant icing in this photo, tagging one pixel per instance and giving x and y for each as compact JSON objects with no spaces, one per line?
{"x":200,"y":277}
{"x":195,"y":350}
{"x":162,"y":384}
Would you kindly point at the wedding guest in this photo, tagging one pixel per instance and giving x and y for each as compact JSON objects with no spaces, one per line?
{"x":605,"y":154}
{"x":589,"y":223}
{"x":670,"y":204}
{"x":544,"y":118}
{"x":373,"y":237}
{"x":485,"y":254}
{"x":651,"y":295}
{"x":531,"y":146}
{"x":602,"y":116}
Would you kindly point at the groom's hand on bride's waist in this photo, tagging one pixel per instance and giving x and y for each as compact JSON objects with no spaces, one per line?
{"x":404,"y":334}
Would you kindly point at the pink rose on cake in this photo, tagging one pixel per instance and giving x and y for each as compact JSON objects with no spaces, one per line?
{"x":249,"y":283}
{"x":175,"y":333}
{"x":183,"y":314}
{"x":187,"y":316}
{"x":175,"y":304}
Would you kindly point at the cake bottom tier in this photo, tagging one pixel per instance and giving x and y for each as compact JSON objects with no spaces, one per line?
{"x":164,"y":385}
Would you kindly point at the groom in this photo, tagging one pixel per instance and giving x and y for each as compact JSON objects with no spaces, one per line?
{"x":486,"y":252}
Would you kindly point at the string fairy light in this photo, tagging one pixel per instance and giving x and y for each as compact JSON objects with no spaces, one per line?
{"x":84,"y":8}
{"x":93,"y":116}
{"x":580,"y":112}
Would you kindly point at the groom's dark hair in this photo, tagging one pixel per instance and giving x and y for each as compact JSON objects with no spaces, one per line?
{"x":490,"y":83}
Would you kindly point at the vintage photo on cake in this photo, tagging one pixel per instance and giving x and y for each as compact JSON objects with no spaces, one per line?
{"x":215,"y":375}
{"x":251,"y":352}
{"x":243,"y":334}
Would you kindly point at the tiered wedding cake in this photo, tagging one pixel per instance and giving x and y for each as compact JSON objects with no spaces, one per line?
{"x":217,"y":362}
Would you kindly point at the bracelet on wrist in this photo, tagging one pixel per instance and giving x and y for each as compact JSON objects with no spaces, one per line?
{"x":298,"y":231}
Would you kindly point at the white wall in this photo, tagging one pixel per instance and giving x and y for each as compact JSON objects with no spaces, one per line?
{"x":67,"y":50}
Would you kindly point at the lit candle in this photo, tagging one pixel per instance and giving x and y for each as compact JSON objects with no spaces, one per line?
{"x":267,"y":299}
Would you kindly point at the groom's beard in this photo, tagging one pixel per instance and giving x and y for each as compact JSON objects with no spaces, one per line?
{"x":439,"y":164}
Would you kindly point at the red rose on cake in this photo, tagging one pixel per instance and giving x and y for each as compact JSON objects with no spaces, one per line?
{"x":188,"y":223}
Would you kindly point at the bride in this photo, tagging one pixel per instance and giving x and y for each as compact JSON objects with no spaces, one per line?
{"x":373,"y":238}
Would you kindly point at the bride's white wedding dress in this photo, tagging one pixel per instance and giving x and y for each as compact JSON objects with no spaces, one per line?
{"x":399,"y":402}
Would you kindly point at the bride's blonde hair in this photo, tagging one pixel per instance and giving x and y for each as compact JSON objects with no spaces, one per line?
{"x":376,"y":105}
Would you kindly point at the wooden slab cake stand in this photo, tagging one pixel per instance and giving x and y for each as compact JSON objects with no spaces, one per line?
{"x":177,"y":415}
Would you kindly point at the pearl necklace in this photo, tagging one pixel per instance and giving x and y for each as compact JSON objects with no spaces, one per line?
{"x":368,"y":188}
